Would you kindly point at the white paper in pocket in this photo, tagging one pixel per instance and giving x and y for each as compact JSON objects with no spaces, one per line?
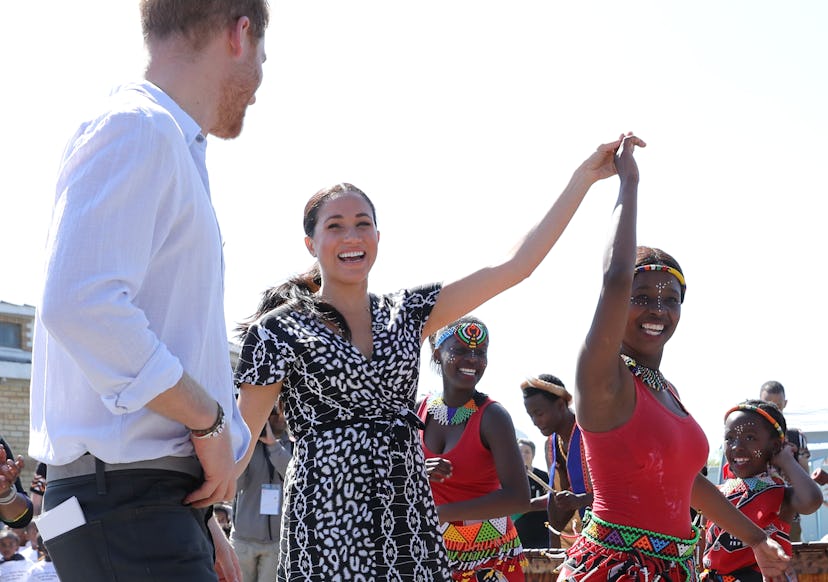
{"x":61,"y":519}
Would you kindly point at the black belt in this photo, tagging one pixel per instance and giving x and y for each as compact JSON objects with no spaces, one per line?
{"x":88,"y":465}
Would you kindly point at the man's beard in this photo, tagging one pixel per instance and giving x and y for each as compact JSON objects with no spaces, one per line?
{"x":233,"y":101}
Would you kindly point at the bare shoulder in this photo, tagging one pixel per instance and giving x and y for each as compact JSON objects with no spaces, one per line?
{"x":496,"y":424}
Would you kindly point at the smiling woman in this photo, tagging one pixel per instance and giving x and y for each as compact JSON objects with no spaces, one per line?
{"x":346,"y":364}
{"x":473,"y":461}
{"x":633,"y":422}
{"x":347,"y":361}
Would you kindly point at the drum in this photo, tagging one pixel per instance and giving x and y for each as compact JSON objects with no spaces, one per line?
{"x":810,"y":560}
{"x":543,"y":564}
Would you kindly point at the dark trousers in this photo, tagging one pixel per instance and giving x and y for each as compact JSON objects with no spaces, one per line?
{"x":137,"y":529}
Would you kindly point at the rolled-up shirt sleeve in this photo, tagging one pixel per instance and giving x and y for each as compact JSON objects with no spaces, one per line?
{"x":109,"y":236}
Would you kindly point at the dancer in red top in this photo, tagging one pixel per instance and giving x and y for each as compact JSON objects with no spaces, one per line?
{"x":755,"y":437}
{"x":644,"y":450}
{"x":474,"y":464}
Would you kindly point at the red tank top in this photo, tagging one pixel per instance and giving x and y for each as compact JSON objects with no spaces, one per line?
{"x":473,"y":472}
{"x":643,"y":471}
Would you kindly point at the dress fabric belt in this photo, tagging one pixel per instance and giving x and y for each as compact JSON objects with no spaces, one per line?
{"x":396,"y":427}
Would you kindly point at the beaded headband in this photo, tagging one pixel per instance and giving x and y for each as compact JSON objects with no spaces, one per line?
{"x":761,"y":412}
{"x":672,"y":270}
{"x":555,"y":389}
{"x":469,"y":333}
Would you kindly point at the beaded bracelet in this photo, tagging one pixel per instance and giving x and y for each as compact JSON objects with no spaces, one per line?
{"x":9,"y":498}
{"x":213,"y":431}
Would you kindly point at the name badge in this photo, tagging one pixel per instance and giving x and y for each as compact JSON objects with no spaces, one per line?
{"x":271,"y":503}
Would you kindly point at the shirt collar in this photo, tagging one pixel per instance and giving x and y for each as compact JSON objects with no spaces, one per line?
{"x":188,"y":125}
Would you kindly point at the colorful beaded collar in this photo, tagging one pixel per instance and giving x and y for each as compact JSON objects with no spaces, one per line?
{"x":652,"y":378}
{"x":448,"y":415}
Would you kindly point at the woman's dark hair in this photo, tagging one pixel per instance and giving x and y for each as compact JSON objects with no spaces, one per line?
{"x":530,"y":391}
{"x":319,"y":199}
{"x":654,"y":256}
{"x":299,"y":291}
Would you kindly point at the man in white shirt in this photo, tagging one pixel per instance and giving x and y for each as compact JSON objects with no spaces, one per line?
{"x":132,"y":404}
{"x":257,"y":518}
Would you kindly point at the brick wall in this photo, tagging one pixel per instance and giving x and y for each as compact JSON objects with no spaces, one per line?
{"x":14,"y":423}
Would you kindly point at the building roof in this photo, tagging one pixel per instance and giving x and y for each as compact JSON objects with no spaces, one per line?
{"x":14,"y":309}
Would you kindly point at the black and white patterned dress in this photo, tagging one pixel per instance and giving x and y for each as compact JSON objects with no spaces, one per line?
{"x":358,"y":505}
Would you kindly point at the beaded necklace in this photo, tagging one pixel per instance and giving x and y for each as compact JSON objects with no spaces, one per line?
{"x":652,"y":378}
{"x":448,"y":415}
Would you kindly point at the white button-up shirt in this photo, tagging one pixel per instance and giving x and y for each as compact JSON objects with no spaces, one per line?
{"x":134,"y":288}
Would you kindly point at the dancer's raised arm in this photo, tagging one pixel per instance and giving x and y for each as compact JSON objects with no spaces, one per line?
{"x":605,"y":391}
{"x":466,"y":293}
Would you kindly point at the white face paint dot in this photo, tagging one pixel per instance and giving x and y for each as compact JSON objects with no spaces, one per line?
{"x":660,"y":287}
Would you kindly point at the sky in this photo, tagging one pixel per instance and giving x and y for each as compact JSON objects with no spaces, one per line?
{"x":463,"y":120}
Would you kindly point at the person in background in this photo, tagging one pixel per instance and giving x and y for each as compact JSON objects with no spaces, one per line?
{"x":773,"y":391}
{"x":547,"y":402}
{"x":38,"y":487}
{"x":820,"y":475}
{"x":43,"y":570}
{"x":754,"y":445}
{"x":224,"y":516}
{"x":13,"y":565}
{"x":31,"y":551}
{"x":476,"y":470}
{"x":16,"y":508}
{"x":259,"y":500}
{"x":799,"y":447}
{"x":531,"y":526}
{"x":132,"y":400}
{"x":28,"y":541}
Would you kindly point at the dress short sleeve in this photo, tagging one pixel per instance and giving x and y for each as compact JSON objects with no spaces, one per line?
{"x":267,"y":351}
{"x":420,"y":301}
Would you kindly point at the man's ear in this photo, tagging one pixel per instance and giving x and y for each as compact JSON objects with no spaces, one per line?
{"x":240,"y":35}
{"x":309,"y":246}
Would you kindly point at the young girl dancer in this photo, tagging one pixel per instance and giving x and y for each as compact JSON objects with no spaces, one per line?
{"x":754,"y":445}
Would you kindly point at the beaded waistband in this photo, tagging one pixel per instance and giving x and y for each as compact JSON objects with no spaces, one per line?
{"x":627,"y":538}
